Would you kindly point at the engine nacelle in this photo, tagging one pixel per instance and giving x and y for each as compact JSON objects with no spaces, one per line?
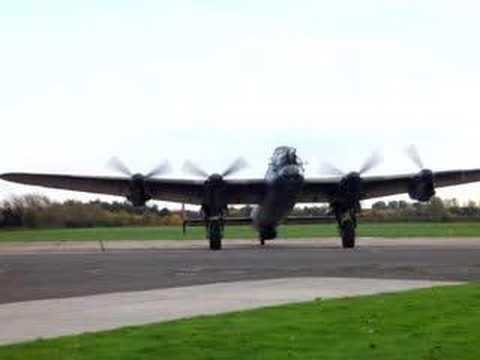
{"x":214,"y":197}
{"x":349,"y":192}
{"x":422,"y":186}
{"x":351,"y":187}
{"x":138,"y":195}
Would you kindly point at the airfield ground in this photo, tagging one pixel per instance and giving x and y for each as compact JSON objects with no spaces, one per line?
{"x":31,"y":275}
{"x":432,"y":323}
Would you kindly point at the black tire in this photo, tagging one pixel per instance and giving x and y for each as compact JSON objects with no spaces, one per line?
{"x":348,"y":235}
{"x":215,"y":243}
{"x":262,"y":241}
{"x":267,"y":233}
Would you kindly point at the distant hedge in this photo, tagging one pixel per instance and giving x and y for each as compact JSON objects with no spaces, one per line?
{"x":35,"y":211}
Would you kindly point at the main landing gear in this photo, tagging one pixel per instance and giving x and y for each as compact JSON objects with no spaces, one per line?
{"x":215,"y":233}
{"x":214,"y":224}
{"x":347,"y":223}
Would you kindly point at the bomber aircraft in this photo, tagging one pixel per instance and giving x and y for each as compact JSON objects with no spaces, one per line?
{"x":283,"y":186}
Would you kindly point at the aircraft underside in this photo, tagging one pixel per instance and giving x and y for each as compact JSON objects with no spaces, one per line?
{"x":266,"y":225}
{"x":283,"y":191}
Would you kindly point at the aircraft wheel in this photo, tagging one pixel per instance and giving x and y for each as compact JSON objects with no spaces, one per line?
{"x":348,"y":235}
{"x":215,"y":244}
{"x":215,"y":235}
{"x":267,"y":233}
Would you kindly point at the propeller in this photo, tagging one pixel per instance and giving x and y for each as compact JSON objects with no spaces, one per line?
{"x":369,"y":164}
{"x":138,"y":194}
{"x":238,"y":165}
{"x":214,"y":202}
{"x":350,"y":186}
{"x":193,"y":169}
{"x":414,"y":155}
{"x":329,"y":169}
{"x":118,"y":165}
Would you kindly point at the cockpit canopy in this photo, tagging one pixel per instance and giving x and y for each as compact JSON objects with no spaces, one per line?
{"x":284,"y":156}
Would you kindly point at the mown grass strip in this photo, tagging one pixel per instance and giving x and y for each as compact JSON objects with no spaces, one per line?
{"x":244,"y":232}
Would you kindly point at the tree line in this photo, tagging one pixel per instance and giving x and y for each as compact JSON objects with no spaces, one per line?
{"x":436,"y":209}
{"x":35,"y":211}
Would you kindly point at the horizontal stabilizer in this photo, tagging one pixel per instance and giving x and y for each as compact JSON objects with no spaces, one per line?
{"x":226,"y":221}
{"x":290,"y":220}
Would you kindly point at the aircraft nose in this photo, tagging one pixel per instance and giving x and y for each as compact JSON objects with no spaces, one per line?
{"x":291,"y":173}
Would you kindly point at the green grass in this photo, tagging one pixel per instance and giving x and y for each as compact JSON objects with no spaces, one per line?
{"x":438,"y":323}
{"x":291,"y":231}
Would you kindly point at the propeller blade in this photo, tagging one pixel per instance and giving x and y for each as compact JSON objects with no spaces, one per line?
{"x":235,"y":167}
{"x":160,"y":169}
{"x":116,"y":164}
{"x":373,"y":161}
{"x":413,"y":154}
{"x":329,"y":169}
{"x":190,"y":168}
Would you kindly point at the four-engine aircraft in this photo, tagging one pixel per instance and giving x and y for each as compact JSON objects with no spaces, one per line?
{"x":283,"y":186}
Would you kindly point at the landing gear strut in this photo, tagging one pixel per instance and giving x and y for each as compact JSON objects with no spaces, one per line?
{"x":215,"y":234}
{"x":347,"y":223}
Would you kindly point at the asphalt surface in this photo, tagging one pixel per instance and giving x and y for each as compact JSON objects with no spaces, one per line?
{"x":45,"y":275}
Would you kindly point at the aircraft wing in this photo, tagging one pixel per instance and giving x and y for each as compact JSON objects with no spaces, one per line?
{"x":318,"y":190}
{"x":323,"y":190}
{"x":176,"y":190}
{"x":240,"y":191}
{"x":391,"y":185}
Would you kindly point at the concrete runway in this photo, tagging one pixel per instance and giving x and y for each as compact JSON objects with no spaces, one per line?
{"x":57,"y":317}
{"x":51,"y":273}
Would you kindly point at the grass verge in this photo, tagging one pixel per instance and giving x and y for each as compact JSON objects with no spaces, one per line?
{"x":245,"y":232}
{"x":438,"y":323}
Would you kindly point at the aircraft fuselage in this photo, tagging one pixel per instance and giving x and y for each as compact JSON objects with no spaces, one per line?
{"x":285,"y":180}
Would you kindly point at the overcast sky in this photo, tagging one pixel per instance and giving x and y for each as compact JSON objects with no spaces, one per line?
{"x":81,"y":81}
